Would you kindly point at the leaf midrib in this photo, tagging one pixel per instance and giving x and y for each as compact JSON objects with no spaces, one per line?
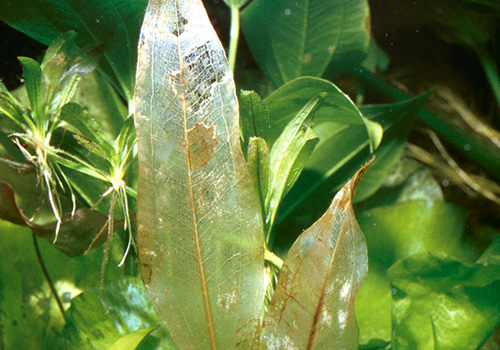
{"x":199,"y":254}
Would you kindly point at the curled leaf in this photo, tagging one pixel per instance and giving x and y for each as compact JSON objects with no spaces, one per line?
{"x":76,"y":232}
{"x":313,"y":305}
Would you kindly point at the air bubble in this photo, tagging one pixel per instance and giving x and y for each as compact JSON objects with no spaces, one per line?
{"x":288,"y":12}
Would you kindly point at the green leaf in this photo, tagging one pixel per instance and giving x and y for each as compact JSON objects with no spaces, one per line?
{"x":116,"y":24}
{"x":394,"y":232}
{"x":86,"y":126}
{"x":32,"y":78}
{"x":408,"y":180}
{"x":258,"y":167}
{"x":396,"y":119}
{"x":12,"y":109}
{"x":441,"y":303}
{"x":346,"y":138}
{"x":131,"y":340}
{"x":288,"y":155}
{"x":26,"y":302}
{"x":337,"y":107}
{"x":313,"y":305}
{"x":200,"y":238}
{"x":122,"y":321}
{"x":306,"y":38}
{"x":253,"y":117}
{"x":100,"y":100}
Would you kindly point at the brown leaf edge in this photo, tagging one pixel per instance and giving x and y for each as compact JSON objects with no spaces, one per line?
{"x":76,"y":233}
{"x":345,"y":201}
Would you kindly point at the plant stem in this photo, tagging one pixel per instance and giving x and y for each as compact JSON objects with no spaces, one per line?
{"x":47,"y":276}
{"x":491,"y":71}
{"x":472,"y":146}
{"x":234,"y":35}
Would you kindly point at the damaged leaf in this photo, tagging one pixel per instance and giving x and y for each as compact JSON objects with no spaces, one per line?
{"x":200,"y":234}
{"x":313,"y":305}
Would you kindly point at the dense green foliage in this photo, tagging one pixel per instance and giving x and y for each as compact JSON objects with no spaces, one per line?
{"x":69,"y":172}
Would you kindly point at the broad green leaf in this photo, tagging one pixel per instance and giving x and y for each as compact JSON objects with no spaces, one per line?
{"x":32,"y":77}
{"x":29,"y":315}
{"x":290,"y":39}
{"x":200,"y":234}
{"x":394,"y":232}
{"x":396,"y":119}
{"x":113,"y":23}
{"x":339,"y":156}
{"x":313,"y":305}
{"x":442,"y":303}
{"x":125,"y":317}
{"x":288,"y":155}
{"x":346,"y":138}
{"x":407,"y":180}
{"x":16,"y":113}
{"x":337,"y":107}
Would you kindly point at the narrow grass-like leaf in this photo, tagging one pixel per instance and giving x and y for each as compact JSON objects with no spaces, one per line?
{"x":258,"y":166}
{"x":313,"y":305}
{"x":289,"y":154}
{"x":200,"y":235}
{"x":253,"y":116}
{"x":32,"y":78}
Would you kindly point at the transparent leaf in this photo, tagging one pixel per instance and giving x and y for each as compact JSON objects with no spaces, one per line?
{"x":200,"y":235}
{"x":313,"y":305}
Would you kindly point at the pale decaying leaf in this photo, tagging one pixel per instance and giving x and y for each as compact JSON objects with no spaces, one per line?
{"x":313,"y":305}
{"x":200,"y":235}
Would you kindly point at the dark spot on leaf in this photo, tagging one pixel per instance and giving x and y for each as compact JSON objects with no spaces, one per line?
{"x":146,"y":272}
{"x":181,"y":24}
{"x":368,"y":23}
{"x":201,"y":146}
